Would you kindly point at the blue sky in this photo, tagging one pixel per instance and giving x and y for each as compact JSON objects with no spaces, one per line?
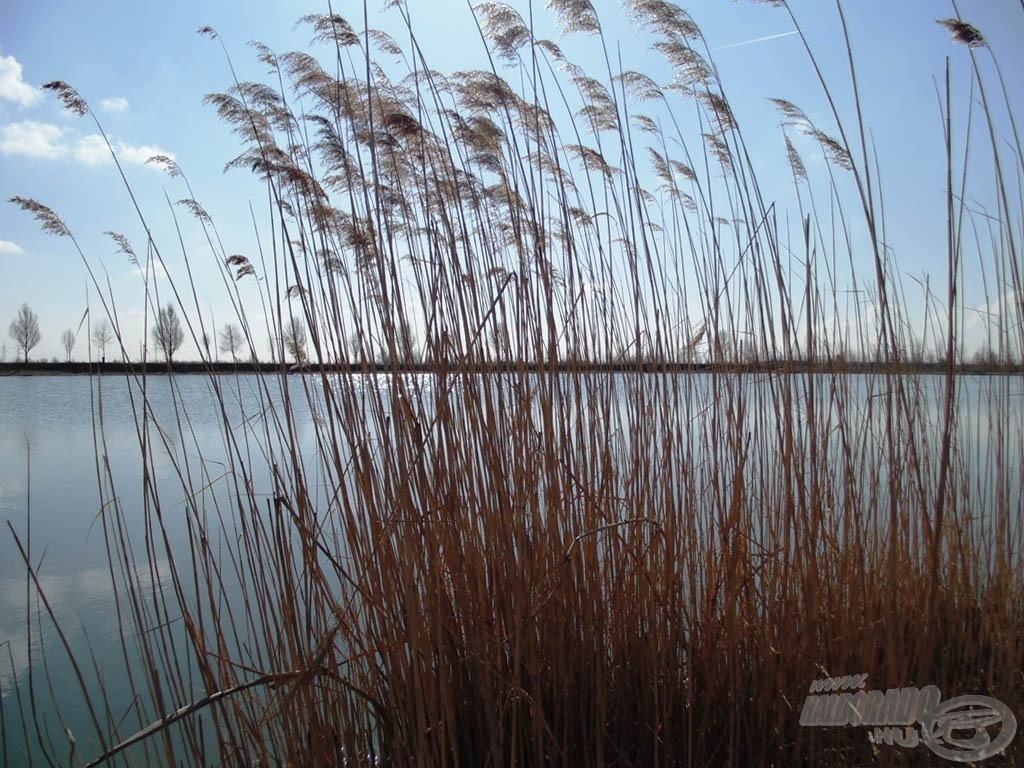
{"x":145,"y":71}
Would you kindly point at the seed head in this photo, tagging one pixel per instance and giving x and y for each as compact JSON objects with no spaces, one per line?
{"x":965,"y":33}
{"x":72,"y":101}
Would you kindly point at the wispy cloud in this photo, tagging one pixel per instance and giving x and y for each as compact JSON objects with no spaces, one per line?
{"x":6,"y":246}
{"x":755,"y":40}
{"x":116,"y":104}
{"x":13,"y":87}
{"x":32,"y":139}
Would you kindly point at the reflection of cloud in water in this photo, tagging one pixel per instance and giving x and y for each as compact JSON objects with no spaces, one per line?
{"x":79,"y":599}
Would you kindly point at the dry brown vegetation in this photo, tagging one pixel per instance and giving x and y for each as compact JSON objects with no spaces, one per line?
{"x":573,"y":567}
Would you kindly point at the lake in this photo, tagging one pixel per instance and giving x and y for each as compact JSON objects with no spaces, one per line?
{"x":52,"y":428}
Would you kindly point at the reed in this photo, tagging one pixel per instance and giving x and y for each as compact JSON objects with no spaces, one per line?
{"x":515,"y":555}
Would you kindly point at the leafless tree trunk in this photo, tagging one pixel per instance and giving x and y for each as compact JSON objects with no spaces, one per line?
{"x":24,"y":329}
{"x":67,"y":340}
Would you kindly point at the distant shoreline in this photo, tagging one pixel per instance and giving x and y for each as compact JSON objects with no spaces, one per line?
{"x":33,"y":368}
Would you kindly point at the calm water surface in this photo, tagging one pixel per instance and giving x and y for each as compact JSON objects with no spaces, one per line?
{"x":49,"y":485}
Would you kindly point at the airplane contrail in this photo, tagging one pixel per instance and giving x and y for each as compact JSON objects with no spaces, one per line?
{"x":755,"y":40}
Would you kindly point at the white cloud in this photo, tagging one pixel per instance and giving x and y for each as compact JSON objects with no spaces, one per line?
{"x":116,"y":104}
{"x":141,"y":154}
{"x":6,"y":246}
{"x":32,"y":139}
{"x":92,"y":150}
{"x":12,"y":87}
{"x":44,"y":140}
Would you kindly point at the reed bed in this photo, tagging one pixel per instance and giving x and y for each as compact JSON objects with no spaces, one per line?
{"x":517,"y":527}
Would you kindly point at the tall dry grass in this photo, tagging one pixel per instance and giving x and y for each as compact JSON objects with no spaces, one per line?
{"x":517,"y":556}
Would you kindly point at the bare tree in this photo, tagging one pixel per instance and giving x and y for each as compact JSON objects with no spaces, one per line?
{"x":405,"y":345}
{"x":102,"y":334}
{"x":295,"y":339}
{"x":67,"y":340}
{"x":231,"y":341}
{"x":167,"y":333}
{"x":500,"y":342}
{"x":357,"y":347}
{"x":24,"y":329}
{"x":405,"y":342}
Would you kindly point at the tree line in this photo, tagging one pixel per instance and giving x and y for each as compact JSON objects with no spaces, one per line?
{"x":167,"y":336}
